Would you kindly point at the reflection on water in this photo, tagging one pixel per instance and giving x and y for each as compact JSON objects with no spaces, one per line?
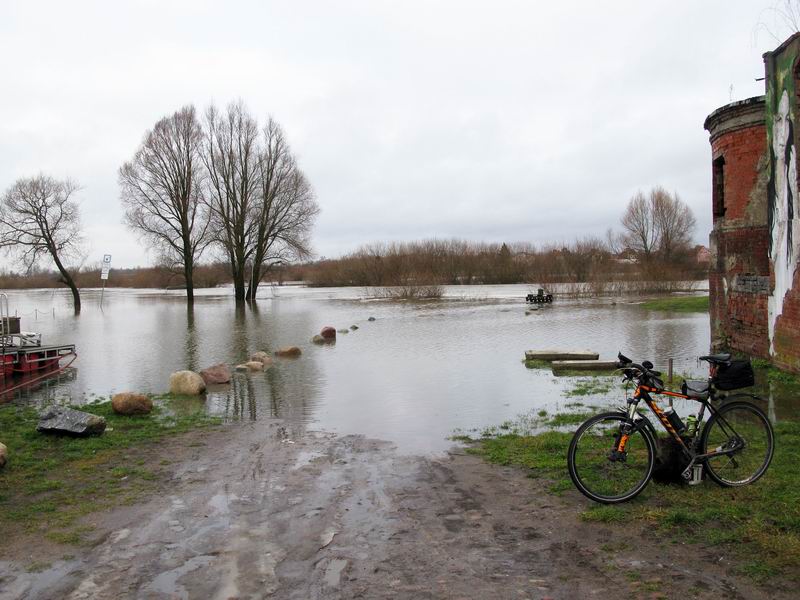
{"x":415,"y":374}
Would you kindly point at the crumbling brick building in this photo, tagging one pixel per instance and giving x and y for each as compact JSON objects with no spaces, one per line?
{"x":755,"y":241}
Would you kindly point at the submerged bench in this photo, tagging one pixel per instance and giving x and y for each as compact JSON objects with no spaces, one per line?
{"x":551,"y":355}
{"x":584,"y":365}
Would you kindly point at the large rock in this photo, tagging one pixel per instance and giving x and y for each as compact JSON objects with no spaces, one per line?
{"x":3,"y":455}
{"x":329,"y":333}
{"x":59,"y":419}
{"x":186,"y":383}
{"x":128,"y":403}
{"x":288,"y":352}
{"x":254,"y":365}
{"x":216,"y":374}
{"x":262,"y":357}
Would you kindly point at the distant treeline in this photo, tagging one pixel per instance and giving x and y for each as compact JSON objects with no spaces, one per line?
{"x":210,"y":275}
{"x":453,"y":262}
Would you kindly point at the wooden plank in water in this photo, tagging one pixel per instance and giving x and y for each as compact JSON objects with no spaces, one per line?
{"x":549,"y":355}
{"x":584,"y":365}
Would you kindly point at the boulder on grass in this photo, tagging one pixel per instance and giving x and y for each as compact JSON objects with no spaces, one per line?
{"x":288,"y":352}
{"x":3,"y":455}
{"x":60,"y":419}
{"x":186,"y":383}
{"x":128,"y":403}
{"x":329,"y":333}
{"x":262,"y":357}
{"x":216,"y":374}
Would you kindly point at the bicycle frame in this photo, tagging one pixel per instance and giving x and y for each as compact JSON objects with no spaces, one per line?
{"x":643,"y":392}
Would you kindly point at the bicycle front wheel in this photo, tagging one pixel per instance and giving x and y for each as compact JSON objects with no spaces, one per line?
{"x":602,"y":474}
{"x":744,"y":430}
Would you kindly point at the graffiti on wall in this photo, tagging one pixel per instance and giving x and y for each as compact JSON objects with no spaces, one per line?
{"x":783,"y":213}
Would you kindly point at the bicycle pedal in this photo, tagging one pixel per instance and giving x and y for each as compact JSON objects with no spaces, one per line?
{"x":697,"y":475}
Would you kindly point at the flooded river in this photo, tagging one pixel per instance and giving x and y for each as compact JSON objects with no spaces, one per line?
{"x":413,"y":375}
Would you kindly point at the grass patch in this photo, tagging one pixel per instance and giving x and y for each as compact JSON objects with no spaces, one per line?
{"x":678,"y":304}
{"x":537,"y":364}
{"x":758,"y":524}
{"x":589,"y":386}
{"x":570,"y":418}
{"x":51,"y":481}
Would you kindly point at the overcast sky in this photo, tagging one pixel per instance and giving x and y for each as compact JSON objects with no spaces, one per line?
{"x":497,"y":121}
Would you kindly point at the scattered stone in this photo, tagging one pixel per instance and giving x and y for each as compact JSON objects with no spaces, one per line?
{"x":3,"y":455}
{"x":262,"y":357}
{"x":216,"y":374}
{"x":254,"y":365}
{"x":329,"y":333}
{"x":128,"y":403}
{"x":343,"y":331}
{"x":353,"y":327}
{"x":527,"y":312}
{"x":186,"y":383}
{"x":288,"y":352}
{"x":371,"y":319}
{"x":241,"y":368}
{"x":318,"y":339}
{"x":60,"y":419}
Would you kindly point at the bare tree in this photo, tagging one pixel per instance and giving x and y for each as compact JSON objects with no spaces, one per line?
{"x":39,"y":217}
{"x":640,"y":232}
{"x":231,"y":157}
{"x":285,"y":208}
{"x":162,"y":192}
{"x":674,"y":223}
{"x":779,"y":20}
{"x":659,"y":224}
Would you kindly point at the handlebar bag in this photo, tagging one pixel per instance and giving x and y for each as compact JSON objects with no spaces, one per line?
{"x":738,"y":374}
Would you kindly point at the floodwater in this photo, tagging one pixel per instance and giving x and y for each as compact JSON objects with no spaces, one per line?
{"x":412,"y":376}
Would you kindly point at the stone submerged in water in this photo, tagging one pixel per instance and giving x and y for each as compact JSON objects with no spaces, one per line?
{"x":254,"y":365}
{"x":288,"y":352}
{"x":318,"y":339}
{"x":343,"y":331}
{"x":127,"y":403}
{"x":186,"y":383}
{"x":60,"y":419}
{"x":329,"y":333}
{"x":262,"y":357}
{"x":3,"y":455}
{"x":353,"y":327}
{"x":216,"y":374}
{"x":371,"y":319}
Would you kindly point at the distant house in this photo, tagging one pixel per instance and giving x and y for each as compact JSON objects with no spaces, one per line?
{"x":702,"y":255}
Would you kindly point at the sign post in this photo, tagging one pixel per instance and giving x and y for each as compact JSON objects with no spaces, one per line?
{"x":104,"y":276}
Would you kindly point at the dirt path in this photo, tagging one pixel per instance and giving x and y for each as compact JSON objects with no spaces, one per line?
{"x":256,"y":515}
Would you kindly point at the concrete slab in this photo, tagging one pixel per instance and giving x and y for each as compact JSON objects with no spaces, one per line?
{"x":584,"y":365}
{"x":550,"y":355}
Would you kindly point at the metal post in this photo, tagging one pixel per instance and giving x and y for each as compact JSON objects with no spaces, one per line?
{"x":669,"y":371}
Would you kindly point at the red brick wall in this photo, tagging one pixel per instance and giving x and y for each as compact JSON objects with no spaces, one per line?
{"x":740,"y":245}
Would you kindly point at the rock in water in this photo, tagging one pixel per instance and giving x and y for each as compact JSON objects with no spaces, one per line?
{"x":329,"y":333}
{"x":343,"y":330}
{"x":3,"y":455}
{"x":354,"y":327}
{"x":186,"y":383}
{"x":371,"y":319}
{"x":128,"y":403}
{"x":288,"y":352}
{"x":216,"y":374}
{"x":262,"y":357}
{"x":254,"y":365}
{"x":60,"y":419}
{"x":242,"y":368}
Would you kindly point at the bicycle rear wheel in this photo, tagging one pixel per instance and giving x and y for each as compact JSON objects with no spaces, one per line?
{"x":598,"y":472}
{"x":738,"y":425}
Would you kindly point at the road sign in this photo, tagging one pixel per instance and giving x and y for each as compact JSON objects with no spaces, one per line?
{"x":106,"y":267}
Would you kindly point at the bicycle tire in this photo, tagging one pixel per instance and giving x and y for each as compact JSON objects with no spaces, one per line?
{"x":595,"y":474}
{"x":748,"y":464}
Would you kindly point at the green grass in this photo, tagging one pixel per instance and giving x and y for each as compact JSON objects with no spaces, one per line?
{"x":589,"y":386}
{"x":758,"y":524}
{"x":678,"y":304}
{"x":51,"y":481}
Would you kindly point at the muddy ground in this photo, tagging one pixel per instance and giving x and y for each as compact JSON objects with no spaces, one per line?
{"x":254,"y":514}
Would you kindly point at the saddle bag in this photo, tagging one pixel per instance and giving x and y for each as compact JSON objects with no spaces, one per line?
{"x":738,"y":374}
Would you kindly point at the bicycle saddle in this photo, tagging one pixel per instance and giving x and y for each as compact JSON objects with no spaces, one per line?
{"x":722,"y":357}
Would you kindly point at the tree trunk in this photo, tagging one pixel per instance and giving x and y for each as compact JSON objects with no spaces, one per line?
{"x":66,"y":278}
{"x":189,"y":276}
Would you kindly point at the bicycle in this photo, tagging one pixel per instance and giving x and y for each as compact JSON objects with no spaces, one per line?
{"x":612,"y":455}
